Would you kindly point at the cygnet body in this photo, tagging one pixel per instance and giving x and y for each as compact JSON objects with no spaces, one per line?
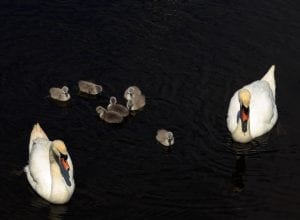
{"x":89,"y":87}
{"x":114,"y":107}
{"x":109,"y":116}
{"x":60,"y":94}
{"x":136,"y":103}
{"x":165,"y":137}
{"x":131,"y":92}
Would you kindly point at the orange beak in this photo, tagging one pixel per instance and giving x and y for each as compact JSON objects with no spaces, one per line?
{"x":244,"y":116}
{"x":64,"y":164}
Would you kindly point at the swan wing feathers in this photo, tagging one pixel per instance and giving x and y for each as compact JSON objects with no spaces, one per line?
{"x":37,"y":132}
{"x":233,"y":111}
{"x":39,"y":166}
{"x":270,"y":78}
{"x":262,"y":108}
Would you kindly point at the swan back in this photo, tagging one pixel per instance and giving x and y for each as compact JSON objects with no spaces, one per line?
{"x":263,"y":111}
{"x":39,"y":167}
{"x":37,"y":132}
{"x":270,"y":78}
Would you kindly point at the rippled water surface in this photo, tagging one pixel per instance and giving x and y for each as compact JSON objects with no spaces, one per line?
{"x":188,"y":57}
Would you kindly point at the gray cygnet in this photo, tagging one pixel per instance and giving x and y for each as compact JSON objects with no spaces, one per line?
{"x":131,"y":92}
{"x":60,"y":94}
{"x":114,"y":107}
{"x":165,"y":137}
{"x":136,"y":103}
{"x":89,"y":87}
{"x":109,"y":116}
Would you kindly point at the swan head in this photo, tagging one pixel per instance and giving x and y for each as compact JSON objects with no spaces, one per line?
{"x":113,"y":100}
{"x":244,"y":99}
{"x":61,"y":152}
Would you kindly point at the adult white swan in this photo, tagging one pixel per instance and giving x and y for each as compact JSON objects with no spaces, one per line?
{"x":50,"y":168}
{"x":252,"y":110}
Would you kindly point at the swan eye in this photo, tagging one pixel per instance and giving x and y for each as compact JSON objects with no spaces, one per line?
{"x":63,"y":156}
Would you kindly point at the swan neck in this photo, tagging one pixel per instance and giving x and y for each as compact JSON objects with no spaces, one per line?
{"x":239,"y":135}
{"x":59,"y":192}
{"x":54,"y":166}
{"x":51,"y":155}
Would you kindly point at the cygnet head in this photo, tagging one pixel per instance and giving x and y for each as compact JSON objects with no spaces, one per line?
{"x":65,"y":89}
{"x":94,"y":89}
{"x":100,"y":110}
{"x":170,"y":137}
{"x":244,"y":97}
{"x":61,"y":152}
{"x":132,"y":91}
{"x":129,"y":104}
{"x":113,"y":100}
{"x":136,"y":103}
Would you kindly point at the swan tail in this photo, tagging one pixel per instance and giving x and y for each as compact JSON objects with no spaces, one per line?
{"x":37,"y":132}
{"x":270,"y":78}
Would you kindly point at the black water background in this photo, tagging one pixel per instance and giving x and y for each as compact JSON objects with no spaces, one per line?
{"x":188,"y":57}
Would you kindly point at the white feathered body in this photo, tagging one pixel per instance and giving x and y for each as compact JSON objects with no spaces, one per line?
{"x":262,"y":109}
{"x":49,"y":180}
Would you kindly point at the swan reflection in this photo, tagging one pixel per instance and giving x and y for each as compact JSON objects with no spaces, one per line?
{"x":55,"y":212}
{"x":238,"y":174}
{"x":241,"y":151}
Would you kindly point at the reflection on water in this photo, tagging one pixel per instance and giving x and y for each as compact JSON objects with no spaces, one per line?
{"x":241,"y":151}
{"x":62,"y":104}
{"x":88,"y":96}
{"x":187,"y":57}
{"x":55,"y":212}
{"x":238,"y":174}
{"x":167,"y":149}
{"x":258,"y":145}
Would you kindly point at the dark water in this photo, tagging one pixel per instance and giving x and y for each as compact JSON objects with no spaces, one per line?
{"x":188,"y":57}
